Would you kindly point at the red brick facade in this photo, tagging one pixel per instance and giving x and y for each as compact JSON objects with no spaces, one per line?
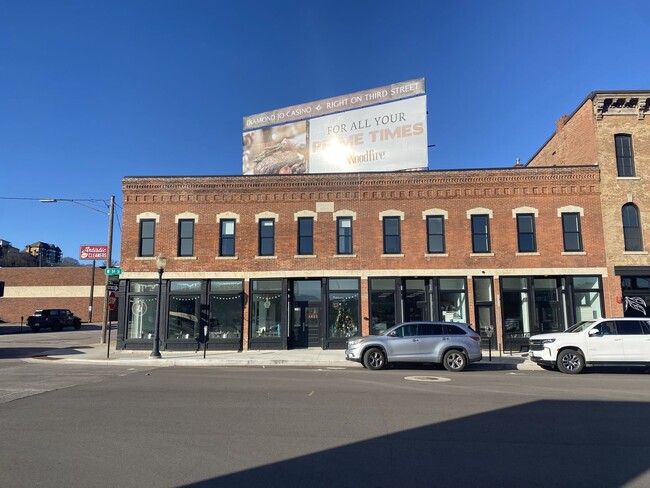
{"x":456,"y":194}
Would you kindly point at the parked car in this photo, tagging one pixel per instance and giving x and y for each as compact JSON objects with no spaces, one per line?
{"x":613,"y":341}
{"x":53,"y":318}
{"x":454,"y":345}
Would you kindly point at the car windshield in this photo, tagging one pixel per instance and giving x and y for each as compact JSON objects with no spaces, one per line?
{"x":580,"y":326}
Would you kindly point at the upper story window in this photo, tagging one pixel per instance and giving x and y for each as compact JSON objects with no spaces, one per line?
{"x":632,"y":228}
{"x":480,"y":233}
{"x":624,"y":155}
{"x":344,"y":235}
{"x":305,"y":235}
{"x":266,"y":244}
{"x":526,"y":240}
{"x":435,"y":234}
{"x":227,"y":237}
{"x":146,"y":244}
{"x":185,"y":237}
{"x":392,"y":237}
{"x":572,"y":234}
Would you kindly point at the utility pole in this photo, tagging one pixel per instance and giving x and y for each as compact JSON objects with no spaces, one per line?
{"x":108,"y":265}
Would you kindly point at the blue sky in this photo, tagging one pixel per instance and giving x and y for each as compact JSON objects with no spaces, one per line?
{"x":92,"y":91}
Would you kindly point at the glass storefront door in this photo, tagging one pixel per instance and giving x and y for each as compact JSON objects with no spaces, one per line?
{"x":547,"y":305}
{"x":305,"y":328}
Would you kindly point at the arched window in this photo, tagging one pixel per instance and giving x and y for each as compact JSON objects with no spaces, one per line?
{"x":632,"y":228}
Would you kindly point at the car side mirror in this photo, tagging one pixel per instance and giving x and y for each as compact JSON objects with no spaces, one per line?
{"x":594,"y":332}
{"x":392,"y":334}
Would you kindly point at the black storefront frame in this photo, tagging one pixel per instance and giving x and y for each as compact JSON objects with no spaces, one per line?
{"x":566,"y":292}
{"x":433,"y":292}
{"x":174,"y":344}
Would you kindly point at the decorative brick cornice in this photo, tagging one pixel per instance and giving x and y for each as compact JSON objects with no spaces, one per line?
{"x":352,"y":186}
{"x":624,"y":103}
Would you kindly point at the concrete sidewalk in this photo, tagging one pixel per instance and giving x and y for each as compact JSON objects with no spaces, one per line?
{"x":312,"y":357}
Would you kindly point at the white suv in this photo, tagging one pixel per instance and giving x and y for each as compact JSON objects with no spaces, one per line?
{"x":615,"y":341}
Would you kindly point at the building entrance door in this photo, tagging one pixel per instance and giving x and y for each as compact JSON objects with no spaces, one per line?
{"x":305,"y":325}
{"x":547,"y":305}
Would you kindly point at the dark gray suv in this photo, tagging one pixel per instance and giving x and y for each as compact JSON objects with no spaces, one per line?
{"x":453,"y":345}
{"x":53,"y":318}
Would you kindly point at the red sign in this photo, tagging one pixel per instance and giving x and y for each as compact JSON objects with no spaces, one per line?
{"x":112,"y":300}
{"x":93,"y":251}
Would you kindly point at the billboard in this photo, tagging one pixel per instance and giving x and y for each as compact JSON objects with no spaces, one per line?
{"x":385,"y":131}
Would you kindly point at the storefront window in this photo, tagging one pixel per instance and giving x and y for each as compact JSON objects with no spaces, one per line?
{"x":452,"y":298}
{"x":344,"y":314}
{"x":141,"y":314}
{"x":226,"y":309}
{"x":183,"y":317}
{"x":382,"y":305}
{"x":266,"y":319}
{"x":586,"y":297}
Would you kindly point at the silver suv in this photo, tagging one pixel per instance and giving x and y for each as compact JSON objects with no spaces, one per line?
{"x":613,"y":341}
{"x":452,"y":344}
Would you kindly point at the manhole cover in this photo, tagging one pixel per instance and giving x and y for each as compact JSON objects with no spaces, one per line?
{"x":430,"y":379}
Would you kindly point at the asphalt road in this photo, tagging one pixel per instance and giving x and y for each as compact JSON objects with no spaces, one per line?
{"x":281,"y":427}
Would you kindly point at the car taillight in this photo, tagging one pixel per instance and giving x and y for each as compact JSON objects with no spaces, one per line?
{"x":476,"y":338}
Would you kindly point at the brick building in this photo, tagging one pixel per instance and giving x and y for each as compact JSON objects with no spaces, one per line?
{"x":29,"y":289}
{"x":307,"y":260}
{"x":611,"y":130}
{"x":290,"y":261}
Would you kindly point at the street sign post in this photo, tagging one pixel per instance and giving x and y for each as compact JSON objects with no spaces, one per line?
{"x":113,"y":271}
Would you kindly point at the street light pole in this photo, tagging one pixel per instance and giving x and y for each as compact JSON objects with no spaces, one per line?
{"x":109,"y":250}
{"x":161,"y":261}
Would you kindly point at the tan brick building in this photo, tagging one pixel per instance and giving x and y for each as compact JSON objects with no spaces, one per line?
{"x":611,"y":130}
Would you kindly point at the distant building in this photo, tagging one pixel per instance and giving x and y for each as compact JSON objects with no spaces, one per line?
{"x":47,"y":254}
{"x":5,"y":247}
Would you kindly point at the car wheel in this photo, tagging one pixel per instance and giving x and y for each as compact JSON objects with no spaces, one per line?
{"x":570,"y":361}
{"x":77,"y":325}
{"x":35,"y":328}
{"x":374,"y":359}
{"x":454,"y":360}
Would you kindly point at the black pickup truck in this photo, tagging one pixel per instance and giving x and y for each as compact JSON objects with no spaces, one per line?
{"x":53,"y":318}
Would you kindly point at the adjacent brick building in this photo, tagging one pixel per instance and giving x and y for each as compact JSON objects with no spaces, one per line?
{"x":611,"y":130}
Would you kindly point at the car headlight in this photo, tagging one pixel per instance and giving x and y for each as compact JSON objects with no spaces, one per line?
{"x":356,"y":342}
{"x":547,"y":341}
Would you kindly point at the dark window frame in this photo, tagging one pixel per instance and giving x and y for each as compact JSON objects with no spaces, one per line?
{"x":227,"y":241}
{"x":183,"y":239}
{"x":305,"y":240}
{"x":576,"y":234}
{"x":393,"y":241}
{"x":266,"y":240}
{"x":484,"y":236}
{"x":344,"y":236}
{"x":632,"y":235}
{"x":142,"y":238}
{"x":521,"y":234}
{"x":431,"y":235}
{"x":624,"y":155}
